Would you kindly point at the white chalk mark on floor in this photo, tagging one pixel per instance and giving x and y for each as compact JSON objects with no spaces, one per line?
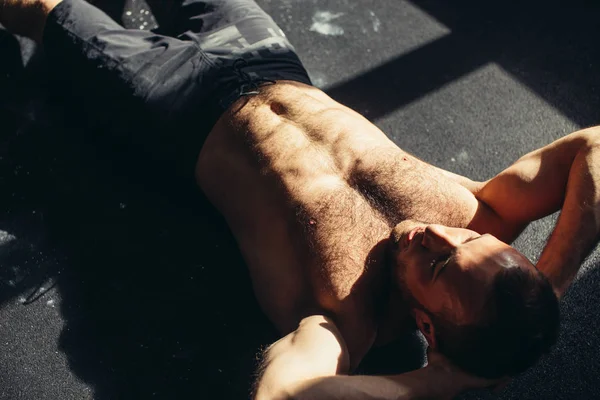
{"x":321,"y":23}
{"x":463,"y":156}
{"x":376,"y":21}
{"x":6,"y":238}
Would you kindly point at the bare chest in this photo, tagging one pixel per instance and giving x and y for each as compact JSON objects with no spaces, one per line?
{"x":311,"y":196}
{"x":312,"y":224}
{"x":341,"y":221}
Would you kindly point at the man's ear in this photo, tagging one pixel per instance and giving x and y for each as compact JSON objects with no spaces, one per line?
{"x":426,"y":327}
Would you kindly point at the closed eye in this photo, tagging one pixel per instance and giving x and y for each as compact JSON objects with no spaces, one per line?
{"x":443,"y":261}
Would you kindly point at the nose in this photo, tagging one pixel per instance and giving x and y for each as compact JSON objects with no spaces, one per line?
{"x":439,"y":238}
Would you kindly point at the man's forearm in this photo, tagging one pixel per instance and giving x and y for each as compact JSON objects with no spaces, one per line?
{"x":425,"y":383}
{"x":577,"y":230}
{"x":564,"y":175}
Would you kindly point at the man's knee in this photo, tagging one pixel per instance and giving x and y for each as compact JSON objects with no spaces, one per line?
{"x":26,"y":17}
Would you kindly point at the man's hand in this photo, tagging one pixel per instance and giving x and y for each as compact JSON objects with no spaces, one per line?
{"x":457,"y":379}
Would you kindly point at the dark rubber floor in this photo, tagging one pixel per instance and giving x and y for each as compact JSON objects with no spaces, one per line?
{"x":112,"y":287}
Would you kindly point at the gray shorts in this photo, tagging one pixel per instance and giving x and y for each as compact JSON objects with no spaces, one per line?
{"x":164,"y":93}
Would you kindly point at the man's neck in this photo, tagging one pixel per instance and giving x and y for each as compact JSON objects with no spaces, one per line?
{"x":394,"y":319}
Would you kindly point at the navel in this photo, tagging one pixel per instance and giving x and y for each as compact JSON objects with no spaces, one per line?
{"x":277,"y":107}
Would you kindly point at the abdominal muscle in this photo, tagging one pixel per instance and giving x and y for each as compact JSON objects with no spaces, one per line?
{"x":309,"y":188}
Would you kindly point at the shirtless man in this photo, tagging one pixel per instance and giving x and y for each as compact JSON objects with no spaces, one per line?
{"x":349,"y":240}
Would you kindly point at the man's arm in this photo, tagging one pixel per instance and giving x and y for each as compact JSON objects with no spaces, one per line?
{"x":440,"y":380}
{"x":315,"y":349}
{"x":563,"y":175}
{"x":312,"y":363}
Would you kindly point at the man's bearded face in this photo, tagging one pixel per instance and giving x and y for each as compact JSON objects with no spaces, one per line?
{"x":450,"y":270}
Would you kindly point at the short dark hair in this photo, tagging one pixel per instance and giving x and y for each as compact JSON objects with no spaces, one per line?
{"x":518,"y":324}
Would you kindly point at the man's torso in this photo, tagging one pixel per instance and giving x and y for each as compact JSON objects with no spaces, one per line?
{"x":310,"y":190}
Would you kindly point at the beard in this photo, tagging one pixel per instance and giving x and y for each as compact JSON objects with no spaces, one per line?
{"x":404,"y":289}
{"x":398,"y":265}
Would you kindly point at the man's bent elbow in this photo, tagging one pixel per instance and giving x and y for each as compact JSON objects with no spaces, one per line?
{"x":591,"y":137}
{"x":268,"y":392}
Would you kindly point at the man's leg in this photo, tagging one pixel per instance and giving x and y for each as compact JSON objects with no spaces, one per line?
{"x":239,"y":36}
{"x":198,"y":16}
{"x":133,"y":84}
{"x":160,"y":93}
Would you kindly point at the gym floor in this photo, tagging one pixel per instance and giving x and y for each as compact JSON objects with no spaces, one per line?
{"x":114,"y":288}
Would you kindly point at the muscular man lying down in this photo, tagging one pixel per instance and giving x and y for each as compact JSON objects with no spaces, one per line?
{"x":349,"y":239}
